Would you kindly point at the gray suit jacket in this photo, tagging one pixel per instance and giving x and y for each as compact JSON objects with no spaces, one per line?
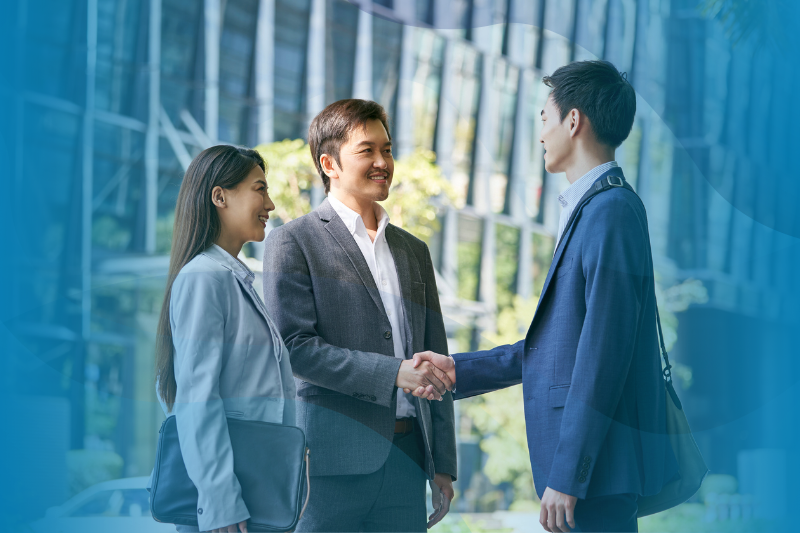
{"x":319,"y":290}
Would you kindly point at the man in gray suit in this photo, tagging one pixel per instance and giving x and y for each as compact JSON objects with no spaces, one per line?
{"x":354,"y":297}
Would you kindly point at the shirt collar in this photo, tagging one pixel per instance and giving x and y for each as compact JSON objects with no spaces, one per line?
{"x":239,"y":269}
{"x":575,"y":192}
{"x":353,"y":220}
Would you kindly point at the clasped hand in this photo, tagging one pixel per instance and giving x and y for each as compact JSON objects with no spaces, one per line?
{"x":428,"y":375}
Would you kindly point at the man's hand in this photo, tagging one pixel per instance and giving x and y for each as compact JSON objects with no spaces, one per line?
{"x":558,"y":509}
{"x":424,"y":377}
{"x":441,"y":496}
{"x":444,"y":365}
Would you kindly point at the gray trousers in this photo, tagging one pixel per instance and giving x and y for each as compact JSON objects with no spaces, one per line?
{"x":390,"y":499}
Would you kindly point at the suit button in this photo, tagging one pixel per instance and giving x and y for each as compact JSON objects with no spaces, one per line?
{"x":582,"y":479}
{"x":584,"y":473}
{"x":387,"y":334}
{"x":200,"y":511}
{"x":587,"y":459}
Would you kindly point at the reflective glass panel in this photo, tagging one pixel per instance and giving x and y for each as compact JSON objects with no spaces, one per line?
{"x":428,"y":53}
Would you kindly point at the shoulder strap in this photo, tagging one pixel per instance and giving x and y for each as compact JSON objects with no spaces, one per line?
{"x":612,"y":181}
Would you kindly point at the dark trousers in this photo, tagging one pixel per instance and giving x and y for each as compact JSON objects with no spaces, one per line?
{"x":607,"y":513}
{"x":390,"y":499}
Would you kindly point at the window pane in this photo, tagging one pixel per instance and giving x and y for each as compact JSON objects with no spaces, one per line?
{"x":470,"y":241}
{"x":291,"y":42}
{"x":387,"y":36}
{"x":181,"y":54}
{"x":428,"y":54}
{"x":506,"y":264}
{"x":506,"y":80}
{"x":118,"y":223}
{"x":121,"y":83}
{"x":425,"y":11}
{"x":466,"y":95}
{"x":590,"y":29}
{"x":341,"y":49}
{"x":237,"y":46}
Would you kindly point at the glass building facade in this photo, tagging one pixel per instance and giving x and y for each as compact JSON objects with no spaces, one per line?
{"x":126,"y":92}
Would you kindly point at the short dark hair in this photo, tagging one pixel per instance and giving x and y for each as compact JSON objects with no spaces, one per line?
{"x":332,"y":127}
{"x":599,"y":91}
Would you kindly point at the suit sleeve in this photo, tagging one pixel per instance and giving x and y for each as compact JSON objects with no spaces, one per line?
{"x":614,"y":262}
{"x":488,"y":370}
{"x":442,"y":413}
{"x":198,"y":309}
{"x":289,"y":297}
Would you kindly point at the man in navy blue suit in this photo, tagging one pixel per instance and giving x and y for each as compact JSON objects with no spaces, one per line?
{"x":589,"y":364}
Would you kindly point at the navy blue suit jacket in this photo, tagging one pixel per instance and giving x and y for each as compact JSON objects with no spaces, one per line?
{"x":590,"y":365}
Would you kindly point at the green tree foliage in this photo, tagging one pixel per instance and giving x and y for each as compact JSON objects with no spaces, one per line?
{"x":499,"y":417}
{"x":419,"y":191}
{"x":291,"y":174}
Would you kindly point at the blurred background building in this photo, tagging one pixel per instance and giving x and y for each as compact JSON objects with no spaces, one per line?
{"x":112,"y":98}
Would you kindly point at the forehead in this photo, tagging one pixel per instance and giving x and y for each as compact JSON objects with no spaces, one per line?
{"x":549,"y":105}
{"x":373,"y":131}
{"x":255,"y":174}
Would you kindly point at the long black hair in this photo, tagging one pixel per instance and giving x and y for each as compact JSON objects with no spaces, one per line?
{"x":197,"y":227}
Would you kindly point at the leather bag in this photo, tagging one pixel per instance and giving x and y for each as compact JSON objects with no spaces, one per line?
{"x":269,"y":460}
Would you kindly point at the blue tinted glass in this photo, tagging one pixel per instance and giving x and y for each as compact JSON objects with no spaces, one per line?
{"x":428,"y":56}
{"x":291,"y":42}
{"x":182,"y":56}
{"x":237,"y":47}
{"x":341,"y":39}
{"x":387,"y":36}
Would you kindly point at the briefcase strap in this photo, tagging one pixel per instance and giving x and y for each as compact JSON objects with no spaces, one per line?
{"x":612,"y":181}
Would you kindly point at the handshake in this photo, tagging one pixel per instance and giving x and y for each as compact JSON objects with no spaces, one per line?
{"x":428,"y":375}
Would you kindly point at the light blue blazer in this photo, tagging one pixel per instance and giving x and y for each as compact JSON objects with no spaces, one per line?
{"x":230,"y":361}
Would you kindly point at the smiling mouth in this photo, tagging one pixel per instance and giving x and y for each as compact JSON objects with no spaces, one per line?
{"x":379,"y":177}
{"x":264,"y":219}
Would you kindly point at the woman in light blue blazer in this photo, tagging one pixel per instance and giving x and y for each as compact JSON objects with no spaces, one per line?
{"x":219,"y":354}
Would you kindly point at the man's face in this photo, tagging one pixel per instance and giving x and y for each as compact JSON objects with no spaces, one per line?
{"x":367,"y":165}
{"x":555,"y":137}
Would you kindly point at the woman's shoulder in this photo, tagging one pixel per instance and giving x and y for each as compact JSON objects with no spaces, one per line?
{"x":202,"y":270}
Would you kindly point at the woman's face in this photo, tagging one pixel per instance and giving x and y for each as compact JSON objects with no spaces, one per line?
{"x":246,"y":208}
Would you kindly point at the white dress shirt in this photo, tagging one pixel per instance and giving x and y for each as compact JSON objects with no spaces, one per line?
{"x":572,"y":195}
{"x":381,"y":264}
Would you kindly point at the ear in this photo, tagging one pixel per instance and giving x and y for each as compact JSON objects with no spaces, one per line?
{"x":329,"y":166}
{"x":218,"y":196}
{"x":576,"y":120}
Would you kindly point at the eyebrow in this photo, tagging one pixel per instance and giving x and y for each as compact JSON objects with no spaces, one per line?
{"x":370,"y":143}
{"x":260,"y":181}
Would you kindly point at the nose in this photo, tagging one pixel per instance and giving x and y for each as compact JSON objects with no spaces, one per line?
{"x":380,"y":162}
{"x":269,"y":205}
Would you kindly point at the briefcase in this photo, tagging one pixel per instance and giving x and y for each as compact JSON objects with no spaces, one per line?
{"x":269,"y":460}
{"x":692,"y":469}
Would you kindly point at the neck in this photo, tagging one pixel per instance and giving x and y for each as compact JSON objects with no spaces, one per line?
{"x":230,"y":245}
{"x":586,"y":159}
{"x":364,"y":207}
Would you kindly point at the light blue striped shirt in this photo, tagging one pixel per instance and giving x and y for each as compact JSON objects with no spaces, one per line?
{"x":572,"y":195}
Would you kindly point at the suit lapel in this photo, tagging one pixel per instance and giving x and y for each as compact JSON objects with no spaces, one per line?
{"x":404,"y":262}
{"x":562,"y":244}
{"x":339,"y":231}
